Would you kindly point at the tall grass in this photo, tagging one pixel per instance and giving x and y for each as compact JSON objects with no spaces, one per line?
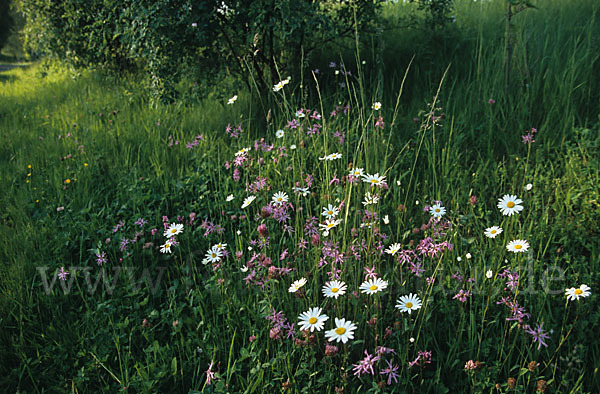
{"x":100,"y":154}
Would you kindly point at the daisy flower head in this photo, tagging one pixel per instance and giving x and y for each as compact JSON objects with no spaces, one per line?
{"x":247,"y":201}
{"x":221,"y":246}
{"x":294,"y":287}
{"x":575,"y":293}
{"x":393,"y":249}
{"x":300,"y":114}
{"x":492,"y":232}
{"x":370,"y":199}
{"x":242,"y":152}
{"x":373,"y":286}
{"x":174,"y":229}
{"x":229,"y":198}
{"x":357,"y":172}
{"x":518,"y":246}
{"x":232,"y":100}
{"x":301,"y":190}
{"x":213,"y":255}
{"x":279,"y":133}
{"x":279,"y":198}
{"x":166,"y":248}
{"x":312,"y":320}
{"x":437,"y":210}
{"x":408,"y":303}
{"x":343,"y":331}
{"x":334,"y":289}
{"x":376,"y":106}
{"x":329,"y":224}
{"x":374,"y":180}
{"x":330,"y":212}
{"x":278,"y":86}
{"x":333,"y":156}
{"x":509,"y":205}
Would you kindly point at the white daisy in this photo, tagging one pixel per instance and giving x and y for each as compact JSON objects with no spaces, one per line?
{"x":213,"y":255}
{"x":437,"y":210}
{"x":232,"y":100}
{"x":279,"y":198}
{"x":518,"y":246}
{"x":279,"y":133}
{"x":574,"y":293}
{"x":329,"y":224}
{"x":300,"y":114}
{"x":302,"y":190}
{"x":376,"y":106}
{"x":373,"y":286}
{"x":489,"y":274}
{"x":393,"y":249}
{"x":509,"y":205}
{"x":334,"y":289}
{"x":278,"y":86}
{"x":408,"y":303}
{"x":221,"y":246}
{"x":166,"y":248}
{"x":229,"y":198}
{"x":492,"y":232}
{"x":293,"y":146}
{"x":374,"y":180}
{"x":370,"y":199}
{"x":330,"y":212}
{"x":297,"y":285}
{"x":343,"y":331}
{"x":528,"y":186}
{"x":242,"y":151}
{"x":174,"y":229}
{"x":247,"y":201}
{"x":312,"y":319}
{"x":357,"y":172}
{"x":333,"y":156}
{"x":386,"y":219}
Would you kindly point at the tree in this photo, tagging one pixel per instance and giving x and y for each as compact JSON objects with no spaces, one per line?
{"x":6,"y":23}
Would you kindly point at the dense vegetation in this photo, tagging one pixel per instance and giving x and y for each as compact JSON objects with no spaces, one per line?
{"x":94,"y":172}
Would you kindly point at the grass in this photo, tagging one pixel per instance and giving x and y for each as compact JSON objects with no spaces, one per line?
{"x":85,"y":156}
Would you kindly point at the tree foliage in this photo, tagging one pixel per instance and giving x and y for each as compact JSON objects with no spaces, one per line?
{"x":6,"y":22}
{"x":258,"y":39}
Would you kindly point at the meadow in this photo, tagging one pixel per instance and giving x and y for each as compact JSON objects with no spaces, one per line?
{"x":400,"y":220}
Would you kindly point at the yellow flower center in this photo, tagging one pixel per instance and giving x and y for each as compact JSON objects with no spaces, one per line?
{"x":173,"y":230}
{"x":373,"y":287}
{"x":335,"y":290}
{"x":409,"y":305}
{"x":373,"y":180}
{"x":510,"y":204}
{"x":312,"y":320}
{"x":437,"y":210}
{"x":279,"y":199}
{"x":214,"y":255}
{"x":340,"y":330}
{"x":578,"y":291}
{"x":493,"y":232}
{"x":518,"y":246}
{"x":330,"y":212}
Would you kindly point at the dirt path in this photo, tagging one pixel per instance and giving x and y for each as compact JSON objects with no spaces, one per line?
{"x":6,"y":67}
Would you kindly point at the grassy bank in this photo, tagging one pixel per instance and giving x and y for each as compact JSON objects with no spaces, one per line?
{"x":92,"y":175}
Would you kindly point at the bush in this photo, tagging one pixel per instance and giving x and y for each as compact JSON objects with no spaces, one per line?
{"x":254,"y":40}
